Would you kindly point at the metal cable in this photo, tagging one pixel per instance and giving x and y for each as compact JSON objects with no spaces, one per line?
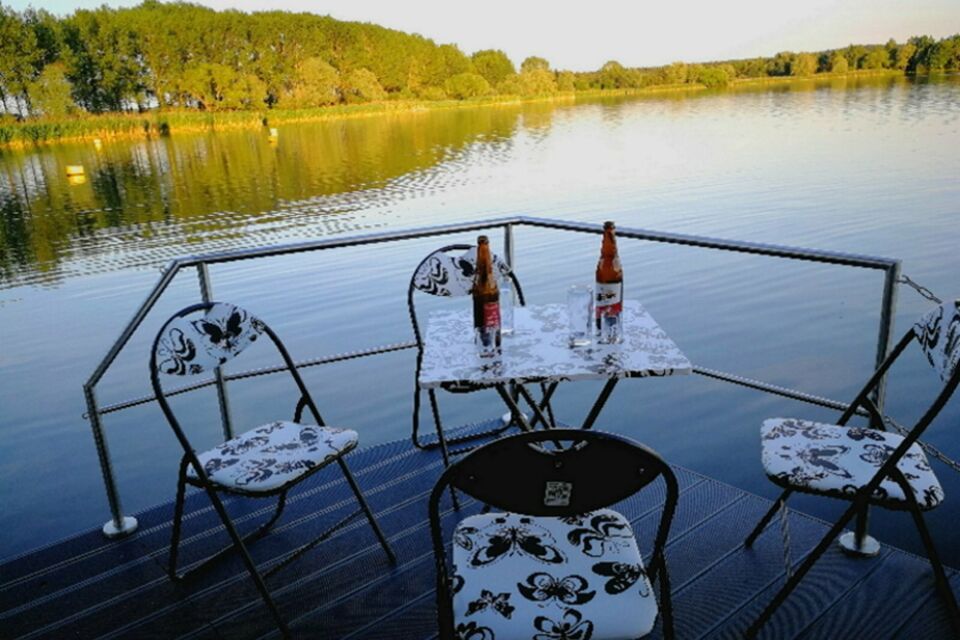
{"x":923,"y":291}
{"x":929,"y":449}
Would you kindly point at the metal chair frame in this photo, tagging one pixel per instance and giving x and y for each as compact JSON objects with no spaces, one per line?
{"x":212,"y":489}
{"x":510,"y":474}
{"x":864,"y":496}
{"x":442,"y":442}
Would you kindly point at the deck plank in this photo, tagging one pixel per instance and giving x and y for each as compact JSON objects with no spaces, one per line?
{"x":92,"y":588}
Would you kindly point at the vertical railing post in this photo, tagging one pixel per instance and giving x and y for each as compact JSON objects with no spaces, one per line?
{"x":206,"y":292}
{"x":508,"y":244}
{"x":885,"y":333}
{"x":119,"y":525}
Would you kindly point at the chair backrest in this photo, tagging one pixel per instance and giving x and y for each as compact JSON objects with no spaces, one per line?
{"x":190,"y":345}
{"x":449,"y":271}
{"x":201,"y":337}
{"x":583,"y":471}
{"x":938,"y":332}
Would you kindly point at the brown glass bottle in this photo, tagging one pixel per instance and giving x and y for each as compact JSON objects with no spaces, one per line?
{"x":486,"y":302}
{"x":609,"y":288}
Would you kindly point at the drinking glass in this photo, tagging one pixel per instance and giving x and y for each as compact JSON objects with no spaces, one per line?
{"x":580,"y":314}
{"x":611,"y":328}
{"x":506,"y":307}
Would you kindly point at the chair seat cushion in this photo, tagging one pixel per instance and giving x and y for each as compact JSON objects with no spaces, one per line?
{"x":272,"y":456}
{"x":518,"y":576}
{"x":836,"y":460}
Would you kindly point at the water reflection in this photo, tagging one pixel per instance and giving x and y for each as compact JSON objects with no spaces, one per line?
{"x":190,"y":193}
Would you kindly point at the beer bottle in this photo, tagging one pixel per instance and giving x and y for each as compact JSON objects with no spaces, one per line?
{"x":609,"y":289}
{"x":486,"y":302}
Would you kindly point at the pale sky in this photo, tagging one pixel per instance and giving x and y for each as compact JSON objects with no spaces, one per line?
{"x":582,"y":36}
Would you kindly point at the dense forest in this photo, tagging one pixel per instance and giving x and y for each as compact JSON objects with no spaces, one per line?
{"x":185,"y":56}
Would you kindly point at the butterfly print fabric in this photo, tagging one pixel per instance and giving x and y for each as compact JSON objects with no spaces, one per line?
{"x":190,"y":346}
{"x":836,"y":460}
{"x":442,"y":274}
{"x":274,"y":455}
{"x":939,"y":335}
{"x":539,"y":571}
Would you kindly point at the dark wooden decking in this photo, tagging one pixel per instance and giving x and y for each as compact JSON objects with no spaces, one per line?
{"x":88,"y":587}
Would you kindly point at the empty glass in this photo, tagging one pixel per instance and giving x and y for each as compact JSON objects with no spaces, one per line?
{"x":506,"y":307}
{"x":580,"y":314}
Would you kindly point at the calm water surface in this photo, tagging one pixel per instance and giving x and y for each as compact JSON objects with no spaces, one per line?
{"x":864,"y":167}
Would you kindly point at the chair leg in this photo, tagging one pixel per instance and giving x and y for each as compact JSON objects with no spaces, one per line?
{"x":366,"y":510}
{"x":802,"y":570}
{"x":177,"y":519}
{"x":435,"y":409}
{"x":766,"y":518}
{"x":248,"y":561}
{"x":940,"y":576}
{"x":666,"y":604}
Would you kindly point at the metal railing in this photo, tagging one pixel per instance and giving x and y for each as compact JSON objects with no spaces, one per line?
{"x":120,"y":525}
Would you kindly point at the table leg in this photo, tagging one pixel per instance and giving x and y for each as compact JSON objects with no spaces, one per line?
{"x":537,"y":407}
{"x":601,"y":400}
{"x":518,"y":416}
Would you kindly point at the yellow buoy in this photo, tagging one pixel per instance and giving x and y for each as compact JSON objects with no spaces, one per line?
{"x":97,"y":144}
{"x":75,"y":180}
{"x":75,"y":170}
{"x":274,"y":133}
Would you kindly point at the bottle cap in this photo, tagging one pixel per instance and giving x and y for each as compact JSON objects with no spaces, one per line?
{"x":482,"y":240}
{"x":608,"y":224}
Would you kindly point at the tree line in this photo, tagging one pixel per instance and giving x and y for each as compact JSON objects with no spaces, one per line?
{"x":180,"y":55}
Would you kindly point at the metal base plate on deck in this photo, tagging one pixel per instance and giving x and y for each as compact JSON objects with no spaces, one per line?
{"x":129,"y":526}
{"x":869,"y":548}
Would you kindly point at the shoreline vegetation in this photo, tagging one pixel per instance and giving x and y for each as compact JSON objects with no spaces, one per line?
{"x":157,"y":69}
{"x":157,"y":124}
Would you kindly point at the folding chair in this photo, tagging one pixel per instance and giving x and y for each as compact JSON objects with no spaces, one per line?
{"x":448,"y":272}
{"x":866,"y":466}
{"x":266,"y":461}
{"x":557,"y":563}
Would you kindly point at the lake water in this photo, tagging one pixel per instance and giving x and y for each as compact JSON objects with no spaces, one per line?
{"x":857,"y":166}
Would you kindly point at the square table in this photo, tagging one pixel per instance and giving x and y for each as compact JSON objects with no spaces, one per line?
{"x":539,"y":351}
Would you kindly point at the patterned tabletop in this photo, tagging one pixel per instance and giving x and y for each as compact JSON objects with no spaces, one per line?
{"x":539,"y":350}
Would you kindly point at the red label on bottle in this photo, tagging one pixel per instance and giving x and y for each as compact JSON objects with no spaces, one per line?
{"x":491,"y":314}
{"x":609,"y":299}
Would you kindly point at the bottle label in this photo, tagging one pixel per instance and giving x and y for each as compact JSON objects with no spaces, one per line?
{"x":491,"y":314}
{"x":609,"y":299}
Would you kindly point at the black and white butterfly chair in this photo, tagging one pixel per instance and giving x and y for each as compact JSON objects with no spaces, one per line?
{"x":557,"y":562}
{"x":448,"y":272}
{"x":263,"y":462}
{"x":866,"y":466}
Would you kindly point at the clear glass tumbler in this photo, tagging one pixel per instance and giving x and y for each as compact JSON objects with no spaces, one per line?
{"x":580,"y":314}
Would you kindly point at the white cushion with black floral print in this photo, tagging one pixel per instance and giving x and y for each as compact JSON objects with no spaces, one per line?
{"x":273,"y":455}
{"x":837,"y":460}
{"x":518,"y":576}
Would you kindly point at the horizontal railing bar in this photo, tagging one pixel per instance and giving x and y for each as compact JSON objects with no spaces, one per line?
{"x":756,"y":248}
{"x":759,"y":385}
{"x":168,"y":274}
{"x":263,"y":371}
{"x":349,"y":241}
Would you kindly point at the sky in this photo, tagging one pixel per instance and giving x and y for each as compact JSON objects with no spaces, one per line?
{"x":582,"y":36}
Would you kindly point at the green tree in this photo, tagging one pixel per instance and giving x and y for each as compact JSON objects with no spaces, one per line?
{"x":839,"y":63}
{"x":361,"y":85}
{"x":676,"y":73}
{"x":50,"y":92}
{"x":538,"y":82}
{"x":613,"y":76}
{"x":566,"y":81}
{"x":316,"y":84}
{"x":877,"y":58}
{"x":903,"y":55}
{"x":20,"y":57}
{"x":804,"y":64}
{"x":713,"y":77}
{"x":534,"y":63}
{"x":781,"y":64}
{"x":467,"y":85}
{"x":493,"y":65}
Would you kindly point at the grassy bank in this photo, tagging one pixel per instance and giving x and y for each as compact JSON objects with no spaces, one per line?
{"x":160,"y":123}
